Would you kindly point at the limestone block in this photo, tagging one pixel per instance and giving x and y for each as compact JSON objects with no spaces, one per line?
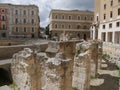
{"x":81,"y":69}
{"x":57,"y":74}
{"x":81,"y":76}
{"x":53,"y":48}
{"x":26,"y":70}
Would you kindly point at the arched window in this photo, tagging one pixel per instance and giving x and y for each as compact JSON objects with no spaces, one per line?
{"x":63,"y":17}
{"x":78,"y":17}
{"x":55,"y":25}
{"x":69,"y":17}
{"x":56,"y":17}
{"x":85,"y":17}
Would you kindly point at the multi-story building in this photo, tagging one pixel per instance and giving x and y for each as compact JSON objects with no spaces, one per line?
{"x":3,"y":21}
{"x":20,"y":20}
{"x":107,"y":20}
{"x":73,"y":22}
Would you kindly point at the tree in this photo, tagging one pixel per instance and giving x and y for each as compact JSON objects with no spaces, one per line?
{"x":47,"y":30}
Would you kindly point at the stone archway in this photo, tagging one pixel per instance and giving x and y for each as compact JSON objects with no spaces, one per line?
{"x":5,"y":77}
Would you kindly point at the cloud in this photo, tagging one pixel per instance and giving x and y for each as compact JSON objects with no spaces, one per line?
{"x":46,"y":5}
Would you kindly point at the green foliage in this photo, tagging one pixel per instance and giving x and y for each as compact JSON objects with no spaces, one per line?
{"x":78,"y":52}
{"x":105,"y":56}
{"x":14,"y":86}
{"x":92,"y":77}
{"x":74,"y":88}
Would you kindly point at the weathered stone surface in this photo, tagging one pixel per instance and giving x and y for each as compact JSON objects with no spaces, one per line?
{"x":81,"y":75}
{"x":25,"y":70}
{"x":54,"y":68}
{"x":57,"y":73}
{"x":53,"y":48}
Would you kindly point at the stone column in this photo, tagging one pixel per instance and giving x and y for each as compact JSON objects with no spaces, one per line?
{"x":58,"y":73}
{"x":26,"y":70}
{"x":113,"y":37}
{"x":94,"y":58}
{"x":81,"y":71}
{"x":100,"y":53}
{"x":106,"y":37}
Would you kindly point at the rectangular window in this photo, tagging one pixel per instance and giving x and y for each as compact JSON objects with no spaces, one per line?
{"x":111,"y":14}
{"x":97,"y":18}
{"x":104,"y":6}
{"x":16,"y":12}
{"x":24,"y":20}
{"x":3,"y":18}
{"x":33,"y":30}
{"x":16,"y":20}
{"x":110,"y":25}
{"x":111,"y":2}
{"x":32,"y":12}
{"x":24,"y":12}
{"x":17,"y":29}
{"x":118,"y":1}
{"x":104,"y":16}
{"x":118,"y":11}
{"x":117,"y":24}
{"x":25,"y":29}
{"x":103,"y":26}
{"x":32,"y":21}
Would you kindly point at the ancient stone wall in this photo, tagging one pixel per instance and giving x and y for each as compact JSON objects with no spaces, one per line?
{"x":8,"y":42}
{"x":62,"y":66}
{"x":8,"y":51}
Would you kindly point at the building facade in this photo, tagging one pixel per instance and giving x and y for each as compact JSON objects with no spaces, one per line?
{"x":3,"y":21}
{"x":107,"y":20}
{"x":73,"y":22}
{"x":23,"y":21}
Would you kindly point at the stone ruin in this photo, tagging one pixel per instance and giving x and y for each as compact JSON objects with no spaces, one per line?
{"x":62,"y":66}
{"x":81,"y":75}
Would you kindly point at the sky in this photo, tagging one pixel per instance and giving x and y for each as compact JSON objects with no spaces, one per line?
{"x":45,"y":6}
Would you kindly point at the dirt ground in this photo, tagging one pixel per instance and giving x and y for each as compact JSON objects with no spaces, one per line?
{"x":110,"y":82}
